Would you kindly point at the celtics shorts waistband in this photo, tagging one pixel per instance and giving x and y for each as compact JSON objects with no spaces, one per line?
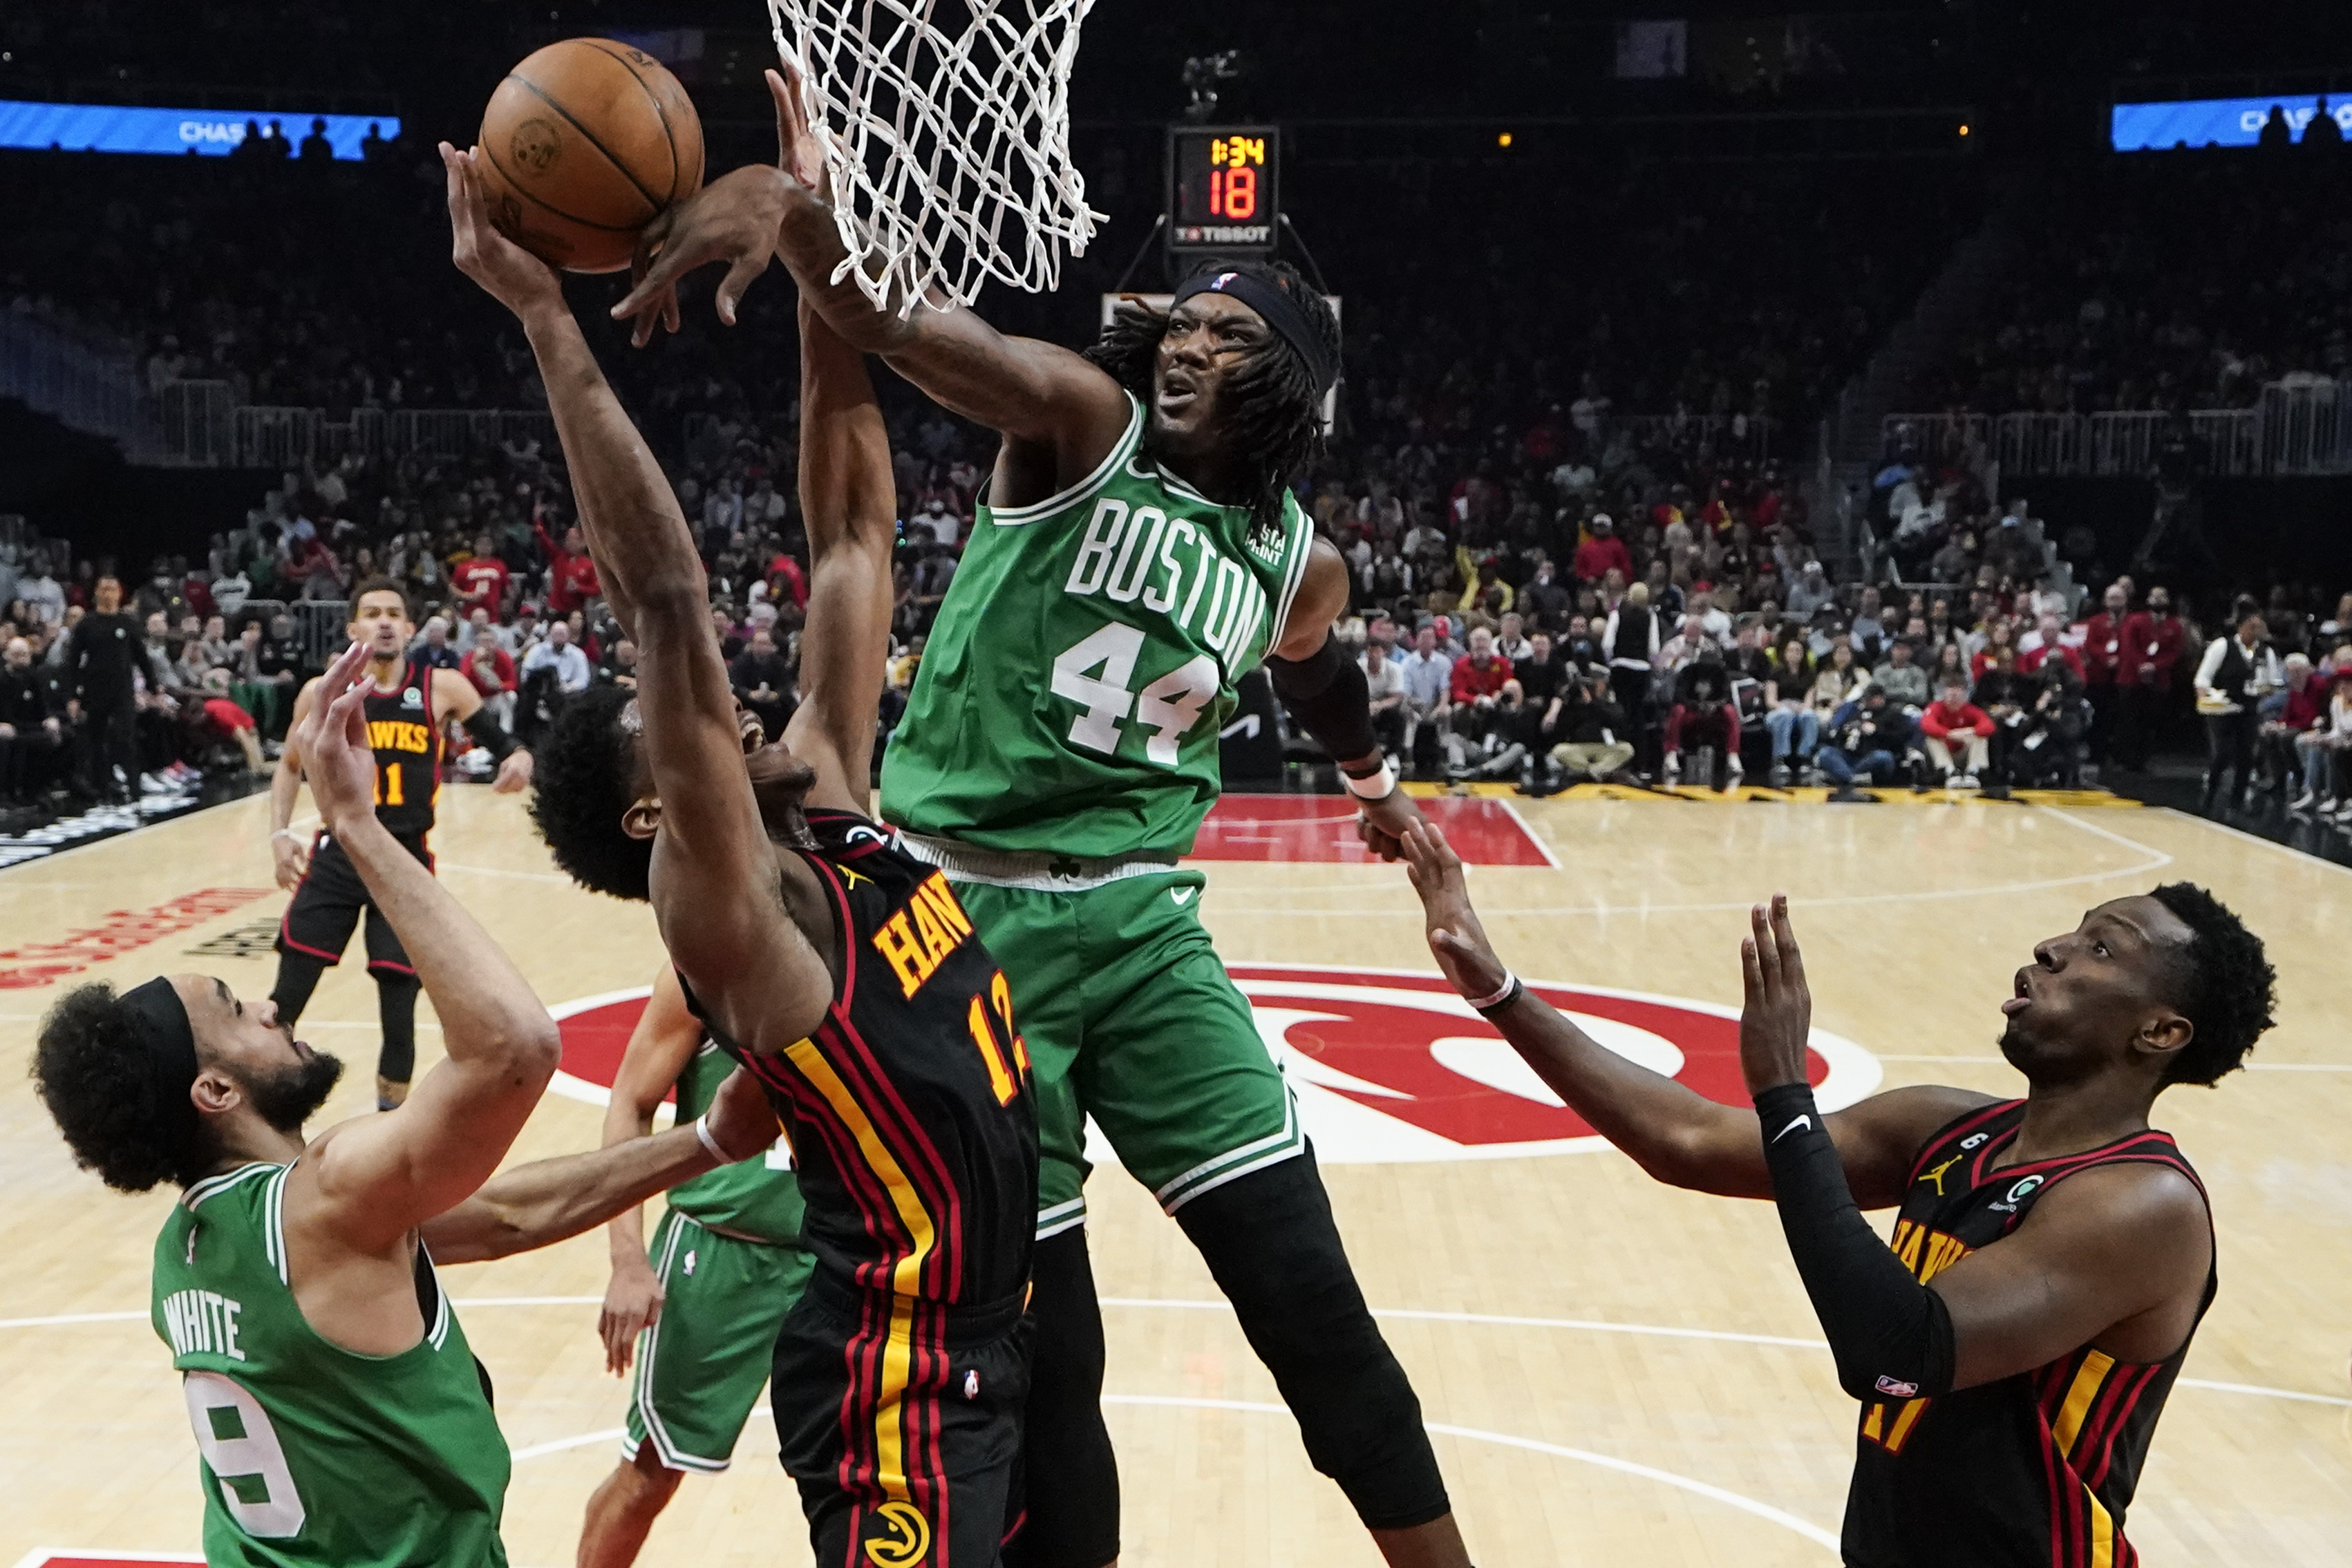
{"x":1033,"y":871}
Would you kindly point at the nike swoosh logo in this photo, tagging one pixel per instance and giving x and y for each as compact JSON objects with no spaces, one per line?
{"x":1182,"y":894}
{"x":1799,"y":1121}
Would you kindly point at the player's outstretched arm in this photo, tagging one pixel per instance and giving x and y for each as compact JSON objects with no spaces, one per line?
{"x":665,"y":1038}
{"x":850,"y":499}
{"x":1040,"y":395}
{"x":714,"y":875}
{"x":1674,"y":1133}
{"x":1325,"y":690}
{"x":456,"y":696}
{"x":548,"y":1201}
{"x":290,"y":859}
{"x":372,"y":1180}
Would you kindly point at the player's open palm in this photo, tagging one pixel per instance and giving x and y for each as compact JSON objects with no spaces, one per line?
{"x":333,"y":744}
{"x":1777,"y":1017}
{"x":1455,"y":938}
{"x":632,"y":1303}
{"x":512,"y":274}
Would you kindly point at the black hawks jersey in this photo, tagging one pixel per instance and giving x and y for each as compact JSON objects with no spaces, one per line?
{"x":908,"y":1108}
{"x":2034,"y":1470}
{"x":407,"y":743}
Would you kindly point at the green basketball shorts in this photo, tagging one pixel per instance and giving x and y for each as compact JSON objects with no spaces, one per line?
{"x":702,"y":1364}
{"x":1131,"y":1017}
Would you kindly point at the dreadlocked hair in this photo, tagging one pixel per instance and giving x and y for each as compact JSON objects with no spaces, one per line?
{"x":1273,"y":418}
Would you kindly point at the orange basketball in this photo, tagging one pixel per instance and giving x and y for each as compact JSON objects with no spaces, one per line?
{"x":584,"y":144}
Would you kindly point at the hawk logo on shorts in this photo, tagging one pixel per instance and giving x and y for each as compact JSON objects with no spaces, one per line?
{"x":908,"y":1541}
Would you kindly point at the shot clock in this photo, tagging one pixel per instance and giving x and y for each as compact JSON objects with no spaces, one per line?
{"x":1222,"y":186}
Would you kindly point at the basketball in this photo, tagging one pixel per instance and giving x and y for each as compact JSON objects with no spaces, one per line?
{"x":585,"y":142}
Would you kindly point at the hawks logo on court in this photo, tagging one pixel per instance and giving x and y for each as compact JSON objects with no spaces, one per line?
{"x":1390,"y":1066}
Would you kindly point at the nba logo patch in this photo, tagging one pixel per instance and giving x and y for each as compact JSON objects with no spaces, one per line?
{"x":1896,"y":1388}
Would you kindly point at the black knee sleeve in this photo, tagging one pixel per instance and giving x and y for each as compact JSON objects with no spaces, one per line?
{"x":395,"y":998}
{"x":1070,"y":1472}
{"x":298,"y":977}
{"x":1270,"y":1240}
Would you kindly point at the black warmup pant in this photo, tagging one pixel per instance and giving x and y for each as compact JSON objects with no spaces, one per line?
{"x":2231,"y":738}
{"x":2107,"y":710}
{"x":109,"y":741}
{"x":27,"y":763}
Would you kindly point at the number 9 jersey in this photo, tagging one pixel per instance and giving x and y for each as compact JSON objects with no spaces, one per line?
{"x":1072,"y":693}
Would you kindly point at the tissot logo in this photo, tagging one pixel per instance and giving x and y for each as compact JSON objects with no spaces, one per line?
{"x":1390,"y":1066}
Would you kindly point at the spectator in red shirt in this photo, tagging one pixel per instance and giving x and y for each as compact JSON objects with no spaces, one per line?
{"x":1483,"y":692}
{"x":1601,"y":552}
{"x":786,"y":576}
{"x":481,"y":579}
{"x":2046,"y":640}
{"x":2152,"y":643}
{"x":571,"y":575}
{"x":1958,"y":733}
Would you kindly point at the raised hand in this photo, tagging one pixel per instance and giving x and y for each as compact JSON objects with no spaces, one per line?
{"x":733,"y":219}
{"x":1777,"y":1017}
{"x":508,"y":273}
{"x":334,"y":745}
{"x":1455,"y":938}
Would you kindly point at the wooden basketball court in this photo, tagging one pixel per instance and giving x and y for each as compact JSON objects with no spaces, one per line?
{"x":1619,"y":1374}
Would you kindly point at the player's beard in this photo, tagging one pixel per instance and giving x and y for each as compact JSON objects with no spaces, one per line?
{"x":291,"y":1096}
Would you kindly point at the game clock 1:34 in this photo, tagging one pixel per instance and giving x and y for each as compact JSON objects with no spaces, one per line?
{"x":1223,"y":183}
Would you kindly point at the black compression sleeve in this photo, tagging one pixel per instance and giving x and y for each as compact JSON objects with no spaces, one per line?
{"x":488,"y":736}
{"x":1326,"y":692}
{"x":1892,"y":1336}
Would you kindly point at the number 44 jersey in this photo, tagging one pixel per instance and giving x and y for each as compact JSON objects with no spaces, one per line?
{"x":1071,"y":696}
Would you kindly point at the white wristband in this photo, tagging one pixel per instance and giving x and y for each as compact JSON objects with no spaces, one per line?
{"x":286,"y":834}
{"x":702,"y":1131}
{"x":1372,"y":787}
{"x":1502,"y":994}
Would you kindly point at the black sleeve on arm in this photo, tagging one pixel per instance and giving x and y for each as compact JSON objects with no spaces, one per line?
{"x":1892,"y":1335}
{"x":1326,"y":692}
{"x":486,"y":734}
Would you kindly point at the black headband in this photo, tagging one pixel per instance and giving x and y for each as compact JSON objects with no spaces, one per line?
{"x":1288,"y":318}
{"x":160,"y":1019}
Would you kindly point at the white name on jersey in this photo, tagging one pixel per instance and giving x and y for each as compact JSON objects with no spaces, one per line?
{"x":1140,"y":553}
{"x":203,"y":1322}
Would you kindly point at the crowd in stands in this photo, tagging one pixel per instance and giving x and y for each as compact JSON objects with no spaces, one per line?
{"x":2163,"y":281}
{"x":1546,"y":587}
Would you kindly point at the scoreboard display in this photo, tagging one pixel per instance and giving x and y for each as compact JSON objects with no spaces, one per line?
{"x":1223,"y":187}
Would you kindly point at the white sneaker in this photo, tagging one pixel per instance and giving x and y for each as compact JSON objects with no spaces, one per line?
{"x":2303,"y":802}
{"x":150,"y":785}
{"x":1674,"y":771}
{"x":1732,"y":775}
{"x":1966,"y":781}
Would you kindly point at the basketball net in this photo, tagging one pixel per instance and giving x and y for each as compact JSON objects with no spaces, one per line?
{"x":949,"y":152}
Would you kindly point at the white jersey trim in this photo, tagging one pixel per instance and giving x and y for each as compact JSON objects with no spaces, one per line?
{"x":213,"y":1186}
{"x":1017,"y":516}
{"x":273,"y":1224}
{"x":1302,"y":547}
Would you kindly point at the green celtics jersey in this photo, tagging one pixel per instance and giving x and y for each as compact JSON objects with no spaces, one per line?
{"x":759,"y":1199}
{"x":1072,"y":691}
{"x":310,"y":1454}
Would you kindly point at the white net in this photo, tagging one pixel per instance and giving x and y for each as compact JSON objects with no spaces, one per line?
{"x":946,"y":126}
